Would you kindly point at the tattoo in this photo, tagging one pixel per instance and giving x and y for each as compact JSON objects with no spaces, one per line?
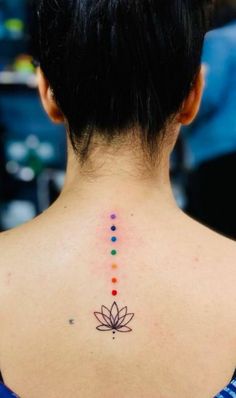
{"x":114,"y":319}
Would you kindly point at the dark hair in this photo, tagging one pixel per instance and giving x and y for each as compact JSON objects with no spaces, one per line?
{"x":117,"y":64}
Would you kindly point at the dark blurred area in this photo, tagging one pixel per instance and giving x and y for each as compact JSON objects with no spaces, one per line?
{"x":33,"y":154}
{"x":225,"y":12}
{"x":33,"y":150}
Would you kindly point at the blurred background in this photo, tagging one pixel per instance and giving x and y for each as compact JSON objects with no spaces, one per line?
{"x":33,"y":150}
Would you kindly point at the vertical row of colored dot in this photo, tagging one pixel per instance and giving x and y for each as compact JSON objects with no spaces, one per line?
{"x":113,"y":253}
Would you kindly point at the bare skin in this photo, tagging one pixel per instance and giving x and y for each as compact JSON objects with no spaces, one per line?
{"x":175,"y":275}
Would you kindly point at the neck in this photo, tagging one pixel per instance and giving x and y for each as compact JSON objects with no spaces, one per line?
{"x":117,"y":178}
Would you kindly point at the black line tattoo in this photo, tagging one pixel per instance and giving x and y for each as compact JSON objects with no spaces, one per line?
{"x":114,"y":319}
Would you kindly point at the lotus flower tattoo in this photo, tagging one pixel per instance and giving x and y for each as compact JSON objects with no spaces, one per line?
{"x":113,"y":319}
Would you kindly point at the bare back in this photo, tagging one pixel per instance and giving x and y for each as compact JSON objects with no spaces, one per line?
{"x":178,"y":279}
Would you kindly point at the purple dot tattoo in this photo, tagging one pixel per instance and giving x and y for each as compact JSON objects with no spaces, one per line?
{"x":113,"y":216}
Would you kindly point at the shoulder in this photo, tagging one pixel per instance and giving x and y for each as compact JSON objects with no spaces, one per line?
{"x":11,"y":249}
{"x":216,"y":256}
{"x":12,"y":243}
{"x":18,"y":248}
{"x":214,"y":263}
{"x":213,"y":248}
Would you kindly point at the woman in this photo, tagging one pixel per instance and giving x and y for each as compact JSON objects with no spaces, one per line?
{"x":113,"y":291}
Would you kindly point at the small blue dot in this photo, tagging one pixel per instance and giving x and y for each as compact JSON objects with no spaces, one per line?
{"x":113,"y":239}
{"x":113,"y":228}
